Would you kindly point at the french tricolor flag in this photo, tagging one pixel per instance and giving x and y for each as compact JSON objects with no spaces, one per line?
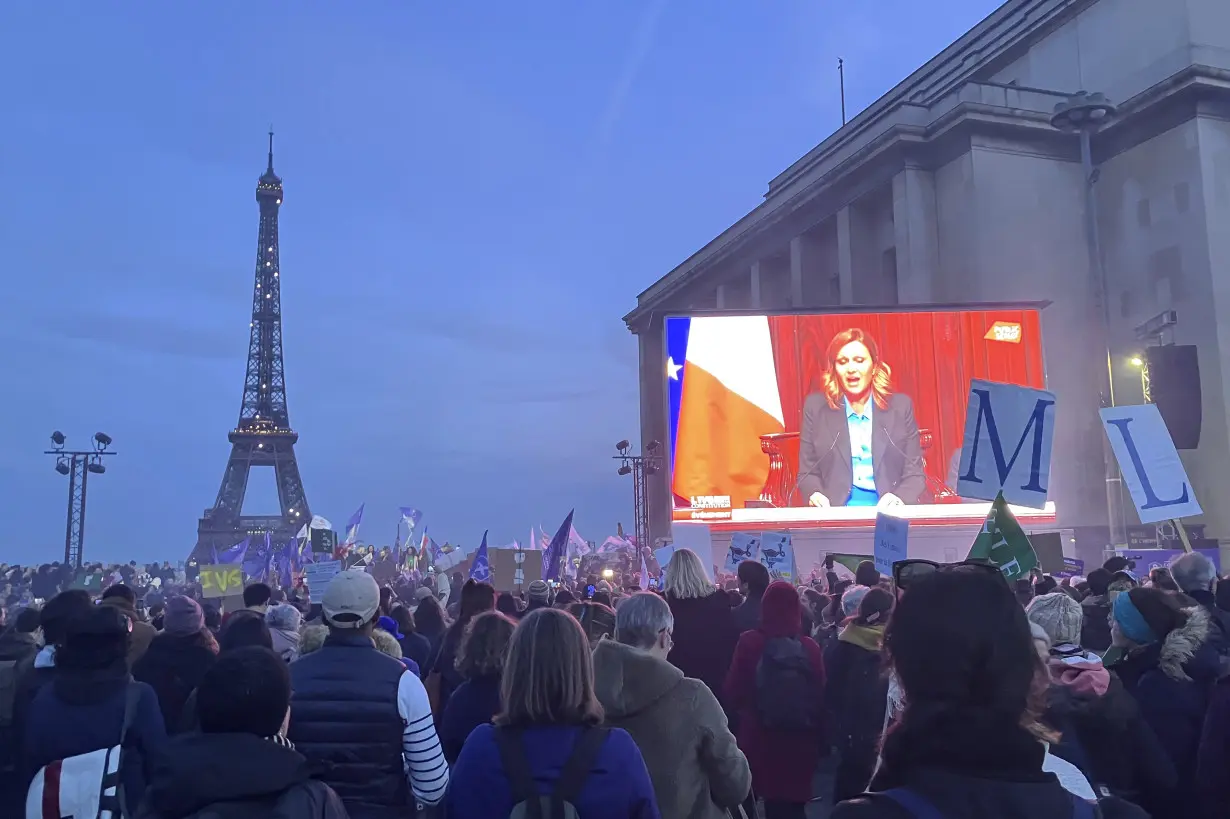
{"x":728,"y":400}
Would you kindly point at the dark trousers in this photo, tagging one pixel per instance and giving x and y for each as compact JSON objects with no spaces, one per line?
{"x":783,"y":810}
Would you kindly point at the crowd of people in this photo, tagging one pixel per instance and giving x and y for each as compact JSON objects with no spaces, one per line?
{"x":942,"y":691}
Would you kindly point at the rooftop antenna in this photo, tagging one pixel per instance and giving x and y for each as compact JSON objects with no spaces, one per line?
{"x":841,"y":78}
{"x":271,"y":141}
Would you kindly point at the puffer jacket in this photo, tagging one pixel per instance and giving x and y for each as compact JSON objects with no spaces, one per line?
{"x":1172,"y":681}
{"x":697,"y":769}
{"x":856,"y":693}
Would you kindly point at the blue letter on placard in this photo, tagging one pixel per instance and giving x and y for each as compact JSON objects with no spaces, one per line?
{"x":1151,"y":498}
{"x":1037,"y":422}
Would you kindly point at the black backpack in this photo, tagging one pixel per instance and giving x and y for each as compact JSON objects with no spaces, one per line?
{"x":788,"y":695}
{"x":528,"y":803}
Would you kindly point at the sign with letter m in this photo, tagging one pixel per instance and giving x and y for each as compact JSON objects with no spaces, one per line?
{"x":1007,"y":446}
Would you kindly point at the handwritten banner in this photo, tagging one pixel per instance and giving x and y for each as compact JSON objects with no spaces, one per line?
{"x":221,"y":580}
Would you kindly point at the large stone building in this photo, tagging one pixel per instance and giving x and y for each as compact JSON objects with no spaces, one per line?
{"x":955,"y":187}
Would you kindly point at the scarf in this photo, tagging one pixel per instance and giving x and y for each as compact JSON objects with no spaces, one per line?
{"x":865,"y":637}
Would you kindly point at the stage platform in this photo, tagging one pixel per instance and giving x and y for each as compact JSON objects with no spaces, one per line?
{"x":940,"y":532}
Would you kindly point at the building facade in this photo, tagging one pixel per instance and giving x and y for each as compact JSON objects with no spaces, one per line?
{"x":955,"y":187}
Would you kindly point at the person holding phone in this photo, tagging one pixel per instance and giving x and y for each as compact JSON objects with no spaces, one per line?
{"x":859,"y":442}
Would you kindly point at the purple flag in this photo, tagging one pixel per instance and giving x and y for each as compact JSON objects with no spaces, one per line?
{"x":480,"y":569}
{"x":558,"y":548}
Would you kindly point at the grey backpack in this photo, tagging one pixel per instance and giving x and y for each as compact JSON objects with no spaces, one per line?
{"x":528,"y":803}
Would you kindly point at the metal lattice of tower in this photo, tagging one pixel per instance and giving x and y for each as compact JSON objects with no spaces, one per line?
{"x":263,"y":436}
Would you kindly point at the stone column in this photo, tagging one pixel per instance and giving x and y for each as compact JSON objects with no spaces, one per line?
{"x":797,"y":251}
{"x":652,"y":353}
{"x":917,"y":235}
{"x":845,"y":256}
{"x":755,"y":276}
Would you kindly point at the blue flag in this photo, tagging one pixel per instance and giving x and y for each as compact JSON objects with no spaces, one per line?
{"x":233,"y":555}
{"x":480,"y":569}
{"x":558,"y":548}
{"x":411,"y":517}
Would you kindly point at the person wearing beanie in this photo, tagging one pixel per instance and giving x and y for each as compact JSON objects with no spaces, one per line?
{"x":239,"y":763}
{"x":1169,"y":667}
{"x":284,"y":621}
{"x":177,"y":659}
{"x":83,"y":709}
{"x":851,"y":599}
{"x":1095,"y":626}
{"x":539,"y":594}
{"x":359,"y":715}
{"x":1060,"y":618}
{"x":856,"y":692}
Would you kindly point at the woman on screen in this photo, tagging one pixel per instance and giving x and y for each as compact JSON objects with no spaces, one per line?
{"x":859,"y":443}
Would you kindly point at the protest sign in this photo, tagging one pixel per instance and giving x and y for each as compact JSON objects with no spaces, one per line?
{"x":1003,"y":542}
{"x":777,"y":555}
{"x":663,"y":555}
{"x":220,"y":580}
{"x":743,"y":546}
{"x":889,"y":545}
{"x":1007,"y":445}
{"x":1150,"y":463}
{"x":318,"y":575}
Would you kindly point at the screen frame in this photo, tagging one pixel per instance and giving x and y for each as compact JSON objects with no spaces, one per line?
{"x":664,"y":410}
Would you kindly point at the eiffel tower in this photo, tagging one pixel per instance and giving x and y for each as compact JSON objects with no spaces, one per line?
{"x":263,"y":436}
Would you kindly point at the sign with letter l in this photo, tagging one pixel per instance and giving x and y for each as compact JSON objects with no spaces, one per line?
{"x":1007,"y":446}
{"x":1149,"y":462}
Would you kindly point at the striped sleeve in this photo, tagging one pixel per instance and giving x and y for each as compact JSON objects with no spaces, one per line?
{"x":426,"y":770}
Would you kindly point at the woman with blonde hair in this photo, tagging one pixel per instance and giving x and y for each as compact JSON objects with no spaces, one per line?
{"x":546,"y":745}
{"x":705,"y":627}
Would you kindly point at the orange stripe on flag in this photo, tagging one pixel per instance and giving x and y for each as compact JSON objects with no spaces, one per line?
{"x":718,"y":448}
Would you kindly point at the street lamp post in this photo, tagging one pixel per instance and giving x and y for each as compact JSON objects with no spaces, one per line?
{"x":639,"y":467}
{"x":77,"y":465}
{"x":1085,"y":114}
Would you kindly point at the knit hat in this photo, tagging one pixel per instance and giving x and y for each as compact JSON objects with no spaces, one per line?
{"x":874,"y":608}
{"x":539,"y":590}
{"x":1059,"y":616}
{"x":1131,"y":622}
{"x":284,"y":616}
{"x":866,"y":574}
{"x":183,"y":617}
{"x":851,"y":599}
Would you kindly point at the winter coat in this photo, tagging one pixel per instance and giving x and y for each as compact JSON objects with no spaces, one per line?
{"x":747,"y":614}
{"x":474,"y":703}
{"x":966,"y":765}
{"x":782,"y":762}
{"x":142,"y":633}
{"x":1172,"y":680}
{"x":705,"y":635}
{"x":80,"y":712}
{"x":1095,"y":628}
{"x":618,"y":786}
{"x":416,"y":647}
{"x":173,"y":666}
{"x":855,"y":696}
{"x":1219,"y":621}
{"x":236,"y":776}
{"x":1213,"y":758}
{"x":1104,"y":734}
{"x":697,"y":769}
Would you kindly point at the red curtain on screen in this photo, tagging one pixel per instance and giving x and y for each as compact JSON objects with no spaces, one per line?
{"x":933,"y":357}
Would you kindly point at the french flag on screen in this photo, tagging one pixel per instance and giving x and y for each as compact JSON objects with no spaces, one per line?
{"x":731,"y":399}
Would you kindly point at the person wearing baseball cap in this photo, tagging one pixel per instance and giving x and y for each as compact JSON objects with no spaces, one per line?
{"x":360,"y":712}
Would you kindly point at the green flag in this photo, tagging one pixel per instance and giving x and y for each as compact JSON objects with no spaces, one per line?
{"x":1003,"y":542}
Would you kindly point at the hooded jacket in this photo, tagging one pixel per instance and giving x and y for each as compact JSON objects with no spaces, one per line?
{"x":856,"y":693}
{"x":705,"y":637}
{"x":236,"y":776}
{"x":1103,"y":732}
{"x":782,"y":762}
{"x":697,"y":769}
{"x":1171,"y":681}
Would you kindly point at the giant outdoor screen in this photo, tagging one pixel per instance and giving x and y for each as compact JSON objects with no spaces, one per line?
{"x":866,"y":408}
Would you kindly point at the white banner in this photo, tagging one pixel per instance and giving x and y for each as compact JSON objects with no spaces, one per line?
{"x":1007,"y":446}
{"x":1149,"y":462}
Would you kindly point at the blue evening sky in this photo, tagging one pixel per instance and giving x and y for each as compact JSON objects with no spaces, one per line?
{"x":475,"y":194}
